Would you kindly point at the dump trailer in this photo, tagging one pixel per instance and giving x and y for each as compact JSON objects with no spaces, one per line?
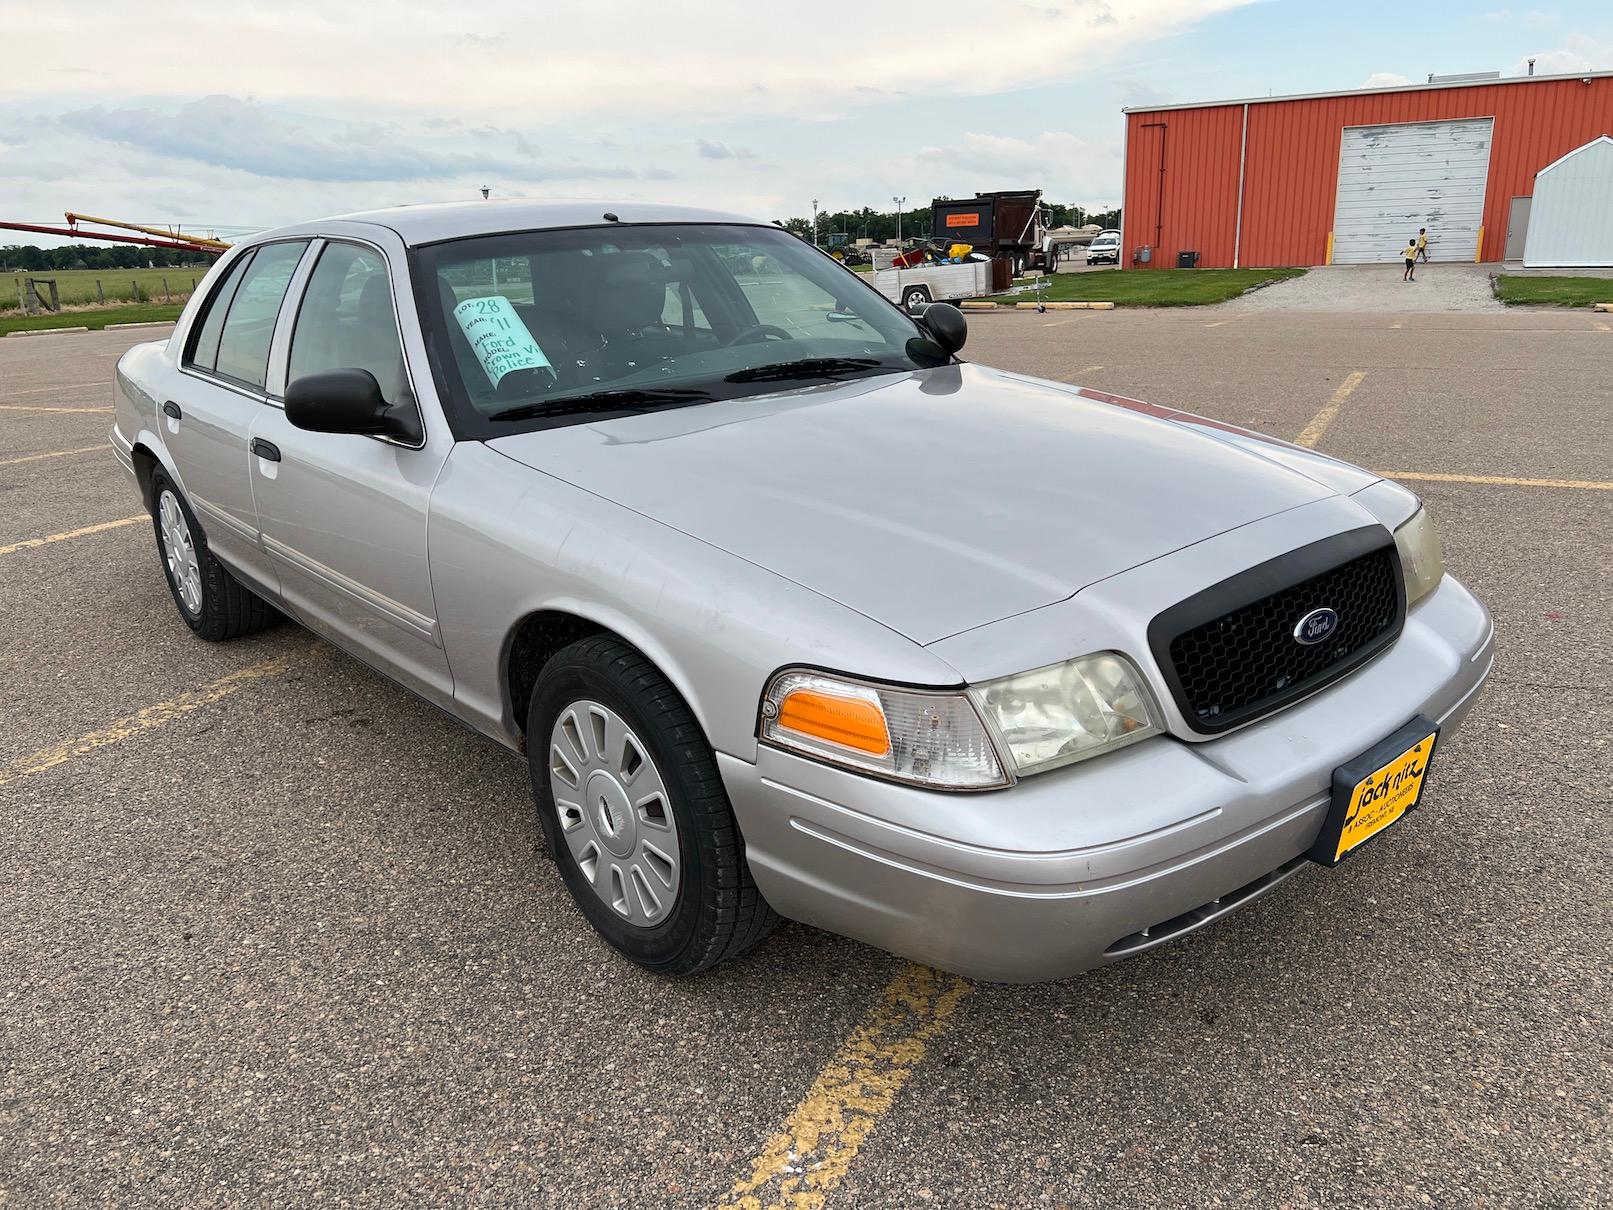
{"x":1007,"y":226}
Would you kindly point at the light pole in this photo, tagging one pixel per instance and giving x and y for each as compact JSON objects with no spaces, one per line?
{"x":814,"y":222}
{"x":900,"y":201}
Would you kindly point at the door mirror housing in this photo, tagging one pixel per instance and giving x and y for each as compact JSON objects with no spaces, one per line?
{"x":349,"y":401}
{"x":946,"y":326}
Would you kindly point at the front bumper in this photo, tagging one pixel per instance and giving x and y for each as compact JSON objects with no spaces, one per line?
{"x":1071,"y":869}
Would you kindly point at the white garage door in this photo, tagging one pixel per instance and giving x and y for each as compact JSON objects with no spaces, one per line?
{"x":1395,"y":179}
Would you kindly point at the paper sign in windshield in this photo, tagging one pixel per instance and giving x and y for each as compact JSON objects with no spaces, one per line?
{"x":497,"y":336}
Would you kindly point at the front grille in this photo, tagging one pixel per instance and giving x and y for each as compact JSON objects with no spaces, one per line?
{"x":1229,"y":653}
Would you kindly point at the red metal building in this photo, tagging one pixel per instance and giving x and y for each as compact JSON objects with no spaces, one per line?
{"x":1348,"y":177}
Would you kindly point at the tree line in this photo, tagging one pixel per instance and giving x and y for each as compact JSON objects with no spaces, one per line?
{"x":31,"y":259}
{"x":880,"y":225}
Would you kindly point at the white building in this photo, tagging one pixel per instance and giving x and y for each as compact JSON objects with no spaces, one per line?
{"x":1571,"y":218}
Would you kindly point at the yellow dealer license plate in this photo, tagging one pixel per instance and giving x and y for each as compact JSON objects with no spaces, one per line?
{"x":1376,"y":790}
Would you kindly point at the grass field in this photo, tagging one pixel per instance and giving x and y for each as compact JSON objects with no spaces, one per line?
{"x":16,"y":321}
{"x":1157,"y":287}
{"x":1554,"y":291}
{"x":77,"y":286}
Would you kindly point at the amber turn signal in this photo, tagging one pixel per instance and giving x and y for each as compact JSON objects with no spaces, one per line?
{"x":850,"y":722}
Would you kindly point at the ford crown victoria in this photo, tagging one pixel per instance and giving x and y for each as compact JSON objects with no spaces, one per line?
{"x":792,"y":611}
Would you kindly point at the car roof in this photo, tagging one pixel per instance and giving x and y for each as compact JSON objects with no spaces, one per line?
{"x":438,"y":221}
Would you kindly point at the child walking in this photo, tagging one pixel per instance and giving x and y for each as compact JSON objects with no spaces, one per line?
{"x":1410,"y":253}
{"x":1422,"y":243}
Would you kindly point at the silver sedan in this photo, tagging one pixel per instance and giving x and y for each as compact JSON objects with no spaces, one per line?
{"x":793,"y":612}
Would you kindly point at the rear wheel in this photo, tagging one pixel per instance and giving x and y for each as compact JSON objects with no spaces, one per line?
{"x":635,"y":813}
{"x":915,"y":297}
{"x":214,"y":604}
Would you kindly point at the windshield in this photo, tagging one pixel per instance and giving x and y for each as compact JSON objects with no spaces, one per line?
{"x":540,"y":328}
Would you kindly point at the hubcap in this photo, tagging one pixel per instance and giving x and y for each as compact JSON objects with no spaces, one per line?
{"x":614,"y":812}
{"x":179,"y":552}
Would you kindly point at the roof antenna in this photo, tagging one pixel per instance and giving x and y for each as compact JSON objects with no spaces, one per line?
{"x":611,"y":218}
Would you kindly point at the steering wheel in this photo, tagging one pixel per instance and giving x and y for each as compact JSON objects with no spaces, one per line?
{"x":762,"y":330}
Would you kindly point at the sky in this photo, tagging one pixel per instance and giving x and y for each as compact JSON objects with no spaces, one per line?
{"x":234,"y":116}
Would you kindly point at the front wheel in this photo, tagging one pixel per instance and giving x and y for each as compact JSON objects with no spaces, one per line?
{"x":214,"y":604}
{"x":635,"y":813}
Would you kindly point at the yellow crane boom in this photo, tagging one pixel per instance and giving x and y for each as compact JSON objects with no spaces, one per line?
{"x":203,"y":241}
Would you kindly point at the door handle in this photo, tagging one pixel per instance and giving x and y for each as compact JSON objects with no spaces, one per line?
{"x":171,"y":409}
{"x":267,"y":450}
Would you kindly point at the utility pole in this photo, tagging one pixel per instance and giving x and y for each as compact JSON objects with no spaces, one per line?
{"x":900,"y":202}
{"x":814,"y":222}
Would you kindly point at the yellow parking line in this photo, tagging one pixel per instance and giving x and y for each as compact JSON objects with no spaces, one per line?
{"x":1588,"y":485}
{"x":1318,"y":425}
{"x":61,"y":386}
{"x":810,"y":1155}
{"x":30,"y":543}
{"x":26,"y":407}
{"x":149,"y":719}
{"x":83,"y":449}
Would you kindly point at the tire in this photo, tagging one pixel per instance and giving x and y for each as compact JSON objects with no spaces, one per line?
{"x":213,"y":603}
{"x":915,"y":297}
{"x":639,"y":824}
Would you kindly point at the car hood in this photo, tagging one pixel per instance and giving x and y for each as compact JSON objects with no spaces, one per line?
{"x":932,"y":502}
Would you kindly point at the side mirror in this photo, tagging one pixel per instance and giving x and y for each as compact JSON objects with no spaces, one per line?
{"x":348,"y":401}
{"x":946,"y":326}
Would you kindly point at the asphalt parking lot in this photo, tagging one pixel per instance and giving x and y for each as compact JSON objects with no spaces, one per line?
{"x":272,"y":930}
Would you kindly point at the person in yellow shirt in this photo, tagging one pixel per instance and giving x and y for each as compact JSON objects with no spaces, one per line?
{"x":1410,"y":253}
{"x":1422,"y":243}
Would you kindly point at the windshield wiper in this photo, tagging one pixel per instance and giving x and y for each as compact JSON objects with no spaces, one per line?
{"x":811,"y":367}
{"x":628,"y":399}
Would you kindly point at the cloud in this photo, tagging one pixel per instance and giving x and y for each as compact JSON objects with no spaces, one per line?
{"x":1579,"y":52}
{"x":492,"y":61}
{"x":721,"y":151}
{"x":1385,"y":79}
{"x":228,"y":132}
{"x":1068,"y":167}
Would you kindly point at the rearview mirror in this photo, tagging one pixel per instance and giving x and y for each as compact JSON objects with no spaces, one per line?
{"x":946,"y":326}
{"x":348,"y":401}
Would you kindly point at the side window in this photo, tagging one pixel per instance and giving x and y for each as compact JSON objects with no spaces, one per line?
{"x":346,"y":320}
{"x":204,"y":345}
{"x":243,"y":346}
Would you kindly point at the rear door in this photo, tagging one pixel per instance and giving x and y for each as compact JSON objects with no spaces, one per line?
{"x":344,"y":516}
{"x":207,"y":425}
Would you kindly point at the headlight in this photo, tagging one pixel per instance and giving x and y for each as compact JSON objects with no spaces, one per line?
{"x":1070,"y":711}
{"x":1421,"y":558}
{"x":932,"y":738}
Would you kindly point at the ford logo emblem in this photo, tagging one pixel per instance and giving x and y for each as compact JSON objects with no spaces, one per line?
{"x":1315,"y":626}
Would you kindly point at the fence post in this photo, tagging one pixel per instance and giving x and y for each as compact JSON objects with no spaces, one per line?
{"x":166,"y":297}
{"x":22,"y":295}
{"x":134,"y":290}
{"x":100,"y":294}
{"x":30,"y":300}
{"x":55,"y":297}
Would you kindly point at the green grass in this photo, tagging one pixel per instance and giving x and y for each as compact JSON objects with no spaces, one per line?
{"x":76,"y":287}
{"x":1554,"y":291}
{"x":1157,"y":287}
{"x":16,"y":321}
